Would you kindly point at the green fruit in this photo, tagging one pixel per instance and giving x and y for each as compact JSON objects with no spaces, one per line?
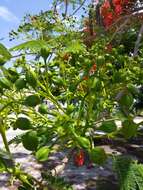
{"x":31,"y":78}
{"x":42,"y":153}
{"x":23,"y":123}
{"x":100,"y":60}
{"x":108,"y":126}
{"x":126,"y":100}
{"x":43,"y":109}
{"x":70,"y":108}
{"x":45,"y":53}
{"x":32,"y":100}
{"x":30,"y":140}
{"x":83,"y":142}
{"x":20,"y":83}
{"x":98,"y":155}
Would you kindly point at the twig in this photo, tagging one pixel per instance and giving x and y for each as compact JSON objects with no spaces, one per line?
{"x":118,"y":29}
{"x":137,"y":44}
{"x":75,"y":11}
{"x":21,"y":54}
{"x":66,"y":8}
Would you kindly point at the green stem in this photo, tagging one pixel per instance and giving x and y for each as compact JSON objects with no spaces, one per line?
{"x":2,"y":132}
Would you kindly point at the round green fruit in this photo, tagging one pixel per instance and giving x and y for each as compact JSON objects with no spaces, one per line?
{"x":32,"y":100}
{"x":23,"y":123}
{"x":30,"y":140}
{"x":98,"y":155}
{"x":100,"y":60}
{"x":20,"y":83}
{"x":43,"y":109}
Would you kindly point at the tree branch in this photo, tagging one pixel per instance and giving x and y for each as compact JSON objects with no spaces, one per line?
{"x":137,"y":44}
{"x":66,"y":8}
{"x":75,"y":11}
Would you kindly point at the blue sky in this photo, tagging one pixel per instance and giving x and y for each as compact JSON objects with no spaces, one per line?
{"x":12,"y":11}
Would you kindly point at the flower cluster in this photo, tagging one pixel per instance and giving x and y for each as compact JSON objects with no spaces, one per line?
{"x":111,"y":11}
{"x":79,"y":158}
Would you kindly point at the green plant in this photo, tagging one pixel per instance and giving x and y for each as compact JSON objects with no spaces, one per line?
{"x":130,"y":173}
{"x":86,"y":78}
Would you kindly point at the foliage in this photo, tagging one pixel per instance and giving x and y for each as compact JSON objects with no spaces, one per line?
{"x":66,"y":82}
{"x":130,"y":173}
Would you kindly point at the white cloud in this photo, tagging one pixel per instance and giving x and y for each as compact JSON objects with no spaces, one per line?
{"x":7,"y":15}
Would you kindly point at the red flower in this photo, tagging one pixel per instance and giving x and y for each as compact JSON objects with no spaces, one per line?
{"x":116,"y":2}
{"x":109,"y":48}
{"x":66,"y":56}
{"x":93,"y":68}
{"x":105,"y":8}
{"x":85,"y":78}
{"x":79,"y":158}
{"x":108,"y":20}
{"x":118,"y":9}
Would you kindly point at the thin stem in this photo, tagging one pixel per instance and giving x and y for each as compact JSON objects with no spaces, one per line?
{"x":2,"y":131}
{"x":137,"y":44}
{"x":66,"y":8}
{"x":75,"y":11}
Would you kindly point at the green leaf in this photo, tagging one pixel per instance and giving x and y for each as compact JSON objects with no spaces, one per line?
{"x":130,"y":174}
{"x":75,"y":47}
{"x":42,"y":154}
{"x":129,"y":128}
{"x":98,"y":155}
{"x":33,"y":45}
{"x":126,"y":100}
{"x":4,"y":54}
{"x":5,"y":160}
{"x":108,"y":126}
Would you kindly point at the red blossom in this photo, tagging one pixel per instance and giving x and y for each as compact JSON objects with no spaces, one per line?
{"x":108,"y":20}
{"x":79,"y":158}
{"x":118,"y":9}
{"x":105,"y":8}
{"x":93,"y":68}
{"x":117,"y":2}
{"x":85,"y":78}
{"x":109,"y":48}
{"x":110,"y":14}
